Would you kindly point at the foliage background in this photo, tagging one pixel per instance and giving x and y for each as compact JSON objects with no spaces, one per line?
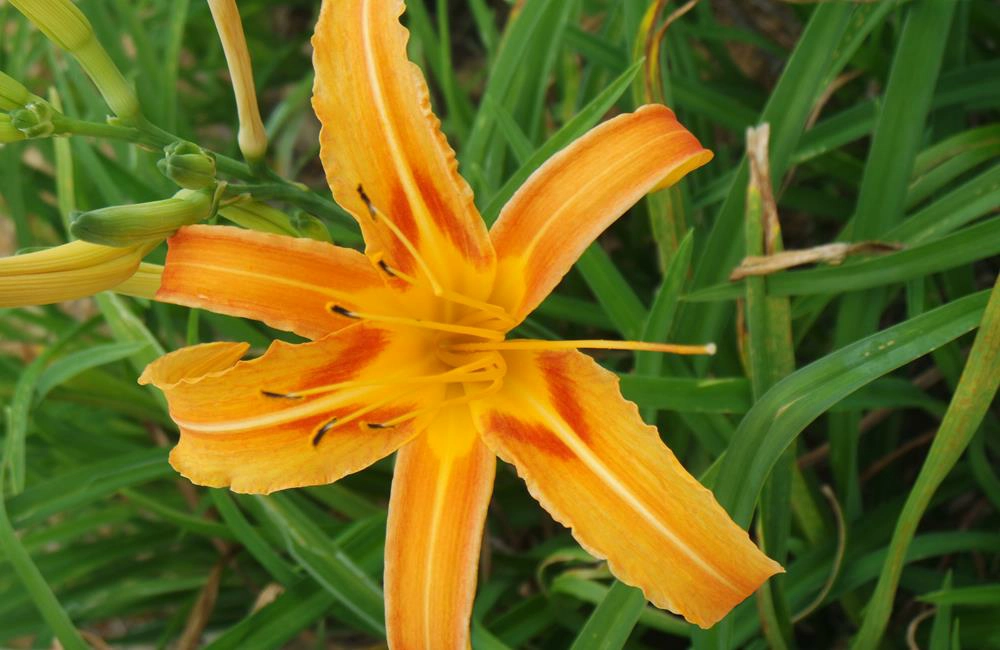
{"x":884,"y":126}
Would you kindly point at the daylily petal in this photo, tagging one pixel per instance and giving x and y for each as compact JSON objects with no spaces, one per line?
{"x":285,"y":282}
{"x":592,"y":463}
{"x":579,"y":192}
{"x":242,"y":425}
{"x":440,"y":492}
{"x":379,"y":132}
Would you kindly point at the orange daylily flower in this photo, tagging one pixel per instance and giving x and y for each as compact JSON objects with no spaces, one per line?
{"x":409,"y":353}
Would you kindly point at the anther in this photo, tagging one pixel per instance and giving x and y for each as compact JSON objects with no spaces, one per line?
{"x":385,"y":267}
{"x":267,"y":393}
{"x":368,"y":202}
{"x":378,"y":425}
{"x":318,"y":436}
{"x":343,"y":311}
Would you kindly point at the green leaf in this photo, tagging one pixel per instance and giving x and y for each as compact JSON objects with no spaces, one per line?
{"x":588,"y":116}
{"x":327,"y":563}
{"x":784,"y":411}
{"x":611,"y":623}
{"x":972,"y":398}
{"x":71,"y":365}
{"x":978,"y":596}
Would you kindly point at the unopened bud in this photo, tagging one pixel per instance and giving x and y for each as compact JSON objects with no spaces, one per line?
{"x":66,"y":272}
{"x":127,"y":225}
{"x":66,"y":26}
{"x":34,"y":120}
{"x":8,"y":132}
{"x":311,"y":226}
{"x":13,"y":94}
{"x":252,"y":137}
{"x":254,"y":215}
{"x":188,"y":165}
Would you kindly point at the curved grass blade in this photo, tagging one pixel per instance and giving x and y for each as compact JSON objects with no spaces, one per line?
{"x":584,"y":120}
{"x":785,"y":410}
{"x":327,"y":563}
{"x":34,"y":582}
{"x":955,"y":250}
{"x":972,"y":398}
{"x":611,"y":623}
{"x":73,"y":364}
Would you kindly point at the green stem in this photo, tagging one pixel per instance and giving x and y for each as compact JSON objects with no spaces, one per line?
{"x":73,"y":126}
{"x":149,"y":135}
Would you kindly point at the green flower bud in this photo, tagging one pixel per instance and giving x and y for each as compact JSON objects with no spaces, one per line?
{"x":188,"y":165}
{"x":254,"y":215}
{"x":127,"y":225}
{"x":8,"y":132}
{"x":34,"y":120}
{"x":13,"y":95}
{"x":311,"y":226}
{"x":66,"y":26}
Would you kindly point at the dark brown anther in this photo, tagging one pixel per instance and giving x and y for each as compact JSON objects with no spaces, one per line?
{"x":385,"y":267}
{"x":367,"y":201}
{"x":318,"y":436}
{"x":343,"y":311}
{"x":268,"y":393}
{"x":378,"y":425}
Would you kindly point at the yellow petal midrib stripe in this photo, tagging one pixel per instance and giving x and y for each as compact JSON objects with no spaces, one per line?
{"x":610,"y":170}
{"x":590,"y":459}
{"x":322,"y":289}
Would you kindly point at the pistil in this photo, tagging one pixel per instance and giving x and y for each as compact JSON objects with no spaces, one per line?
{"x":588,"y":344}
{"x":478,"y":332}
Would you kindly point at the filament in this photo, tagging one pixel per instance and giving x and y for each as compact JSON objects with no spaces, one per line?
{"x":479,"y":332}
{"x":495,"y":385}
{"x":378,"y":215}
{"x":496,"y":382}
{"x":494,"y":311}
{"x":337,"y":423}
{"x":590,"y":344}
{"x":475,"y":371}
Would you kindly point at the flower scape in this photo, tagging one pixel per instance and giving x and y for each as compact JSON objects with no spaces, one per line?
{"x":409,"y":350}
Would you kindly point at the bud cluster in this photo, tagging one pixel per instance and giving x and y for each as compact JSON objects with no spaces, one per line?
{"x":34,"y":120}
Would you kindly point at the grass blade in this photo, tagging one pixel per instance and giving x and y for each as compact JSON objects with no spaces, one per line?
{"x":973,"y":396}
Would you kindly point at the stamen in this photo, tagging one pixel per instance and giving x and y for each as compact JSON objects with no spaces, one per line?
{"x":475,"y":371}
{"x":343,"y":311}
{"x":268,"y":393}
{"x":495,"y":377}
{"x":388,"y":271}
{"x":495,"y":312}
{"x":318,"y":436}
{"x":337,"y":423}
{"x":493,"y":388}
{"x":479,"y":332}
{"x":378,"y":215}
{"x":591,"y":344}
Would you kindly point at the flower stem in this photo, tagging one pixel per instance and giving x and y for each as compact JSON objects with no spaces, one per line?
{"x":145,"y":134}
